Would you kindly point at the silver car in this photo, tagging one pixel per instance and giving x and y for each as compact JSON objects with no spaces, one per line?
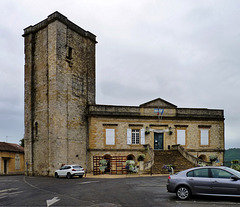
{"x":210,"y":180}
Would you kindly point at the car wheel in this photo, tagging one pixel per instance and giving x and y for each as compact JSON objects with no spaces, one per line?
{"x":183,"y":192}
{"x":80,"y":176}
{"x":56,"y":175}
{"x":69,"y":176}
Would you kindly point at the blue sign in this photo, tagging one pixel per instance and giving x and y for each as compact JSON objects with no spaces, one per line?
{"x":159,"y":111}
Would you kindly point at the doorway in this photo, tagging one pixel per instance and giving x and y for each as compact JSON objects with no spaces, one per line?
{"x":5,"y":166}
{"x":158,"y":141}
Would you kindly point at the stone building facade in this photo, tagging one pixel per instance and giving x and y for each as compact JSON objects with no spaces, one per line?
{"x":199,"y":131}
{"x":63,"y":124}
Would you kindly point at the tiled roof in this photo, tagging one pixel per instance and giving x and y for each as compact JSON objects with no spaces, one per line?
{"x":10,"y":147}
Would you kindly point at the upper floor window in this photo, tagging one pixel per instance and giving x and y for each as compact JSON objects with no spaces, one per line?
{"x":135,"y":136}
{"x":204,"y":136}
{"x":110,"y":136}
{"x":181,"y":136}
{"x":17,"y":162}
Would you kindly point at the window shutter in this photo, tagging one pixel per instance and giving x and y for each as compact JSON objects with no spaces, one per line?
{"x":110,"y":136}
{"x":129,"y":136}
{"x":181,"y":136}
{"x":204,"y":137}
{"x":142,"y":136}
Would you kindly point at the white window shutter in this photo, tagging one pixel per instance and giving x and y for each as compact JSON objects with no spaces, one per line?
{"x":181,"y":136}
{"x":142,"y":136}
{"x":129,"y":136}
{"x":204,"y":137}
{"x":110,"y":136}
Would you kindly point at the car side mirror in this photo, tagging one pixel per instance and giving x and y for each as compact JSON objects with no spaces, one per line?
{"x":234,"y":178}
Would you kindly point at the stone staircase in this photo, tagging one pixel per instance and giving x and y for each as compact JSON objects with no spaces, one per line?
{"x":173,"y":157}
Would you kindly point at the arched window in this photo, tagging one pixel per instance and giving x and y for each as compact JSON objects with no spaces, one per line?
{"x":130,"y":157}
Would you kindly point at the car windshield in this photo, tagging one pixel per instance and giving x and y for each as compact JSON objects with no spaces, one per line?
{"x":77,"y":167}
{"x":237,"y":173}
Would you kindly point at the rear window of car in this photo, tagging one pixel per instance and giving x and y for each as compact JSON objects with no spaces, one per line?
{"x":77,"y":167}
{"x":202,"y":173}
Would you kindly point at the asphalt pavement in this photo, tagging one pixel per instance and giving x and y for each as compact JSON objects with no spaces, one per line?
{"x":101,"y":190}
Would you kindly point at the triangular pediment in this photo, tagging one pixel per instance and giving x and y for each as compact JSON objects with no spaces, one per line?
{"x":158,"y":103}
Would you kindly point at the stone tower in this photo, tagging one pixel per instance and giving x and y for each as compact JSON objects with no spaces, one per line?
{"x":59,"y":86}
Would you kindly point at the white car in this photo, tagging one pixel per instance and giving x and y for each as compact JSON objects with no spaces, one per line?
{"x":69,"y":171}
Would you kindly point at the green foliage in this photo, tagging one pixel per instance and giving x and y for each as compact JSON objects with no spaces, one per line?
{"x":236,"y":167}
{"x":130,"y":166}
{"x":235,"y":161}
{"x":141,"y":157}
{"x":231,"y":154}
{"x":103,"y":162}
{"x":213,"y":158}
{"x":103,"y":165}
{"x":22,"y":142}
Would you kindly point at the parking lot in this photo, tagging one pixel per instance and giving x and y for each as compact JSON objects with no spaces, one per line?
{"x":97,"y":191}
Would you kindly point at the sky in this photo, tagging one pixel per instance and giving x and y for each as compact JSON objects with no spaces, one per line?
{"x":186,"y":52}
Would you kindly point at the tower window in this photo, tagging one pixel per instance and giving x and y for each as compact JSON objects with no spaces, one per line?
{"x":36,"y":128}
{"x":69,"y":53}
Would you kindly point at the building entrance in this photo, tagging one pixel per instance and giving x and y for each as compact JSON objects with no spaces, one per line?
{"x":5,"y":166}
{"x":158,"y":141}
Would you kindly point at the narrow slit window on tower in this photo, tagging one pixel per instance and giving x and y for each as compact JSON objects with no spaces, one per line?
{"x":69,"y":53}
{"x":36,"y":128}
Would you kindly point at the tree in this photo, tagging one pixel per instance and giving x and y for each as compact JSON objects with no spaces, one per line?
{"x":22,"y":142}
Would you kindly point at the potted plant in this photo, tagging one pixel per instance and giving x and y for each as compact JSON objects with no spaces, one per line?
{"x":213,"y":158}
{"x":130,"y":166}
{"x":141,"y":157}
{"x":103,"y":165}
{"x":147,"y":131}
{"x":169,"y":168}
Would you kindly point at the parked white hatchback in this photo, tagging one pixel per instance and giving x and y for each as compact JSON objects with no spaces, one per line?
{"x":69,"y":171}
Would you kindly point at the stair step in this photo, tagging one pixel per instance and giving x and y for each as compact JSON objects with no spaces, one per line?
{"x":167,"y":157}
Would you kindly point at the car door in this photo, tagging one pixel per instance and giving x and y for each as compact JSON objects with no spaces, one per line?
{"x":62,"y":171}
{"x":223,"y":184}
{"x":200,"y":181}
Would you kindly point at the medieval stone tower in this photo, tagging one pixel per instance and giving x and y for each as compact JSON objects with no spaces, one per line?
{"x":59,"y":86}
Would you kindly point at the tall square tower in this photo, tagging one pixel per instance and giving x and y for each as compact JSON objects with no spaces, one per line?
{"x":59,"y":86}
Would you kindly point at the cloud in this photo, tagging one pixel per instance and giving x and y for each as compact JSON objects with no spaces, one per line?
{"x":186,"y":52}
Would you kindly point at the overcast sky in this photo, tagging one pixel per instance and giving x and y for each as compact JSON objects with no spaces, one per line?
{"x":186,"y":52}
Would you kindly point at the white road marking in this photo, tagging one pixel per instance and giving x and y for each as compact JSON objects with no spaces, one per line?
{"x":3,"y":197}
{"x":88,"y":182}
{"x":54,"y":200}
{"x":6,"y":192}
